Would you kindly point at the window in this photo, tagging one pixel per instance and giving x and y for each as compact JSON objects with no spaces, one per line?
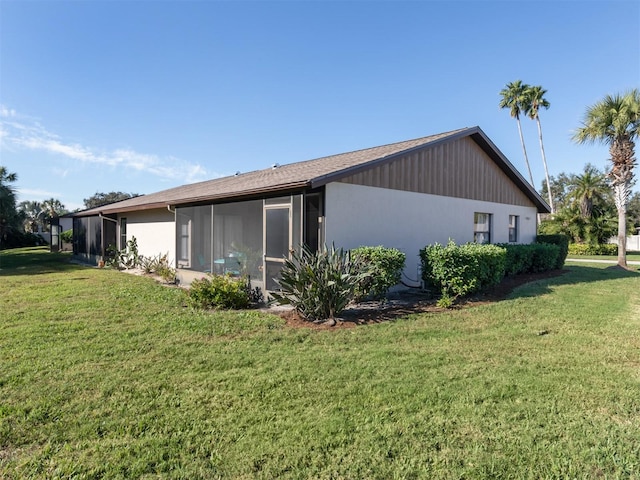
{"x":123,"y":233}
{"x":482,"y":227}
{"x":184,"y":232}
{"x":514,"y":220}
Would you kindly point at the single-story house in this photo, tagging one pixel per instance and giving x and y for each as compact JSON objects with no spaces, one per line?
{"x":454,"y":185}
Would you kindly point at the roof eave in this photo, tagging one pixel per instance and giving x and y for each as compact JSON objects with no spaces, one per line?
{"x":281,"y":188}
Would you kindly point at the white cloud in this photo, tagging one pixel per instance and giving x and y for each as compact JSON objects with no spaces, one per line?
{"x":31,"y":135}
{"x":7,"y":112}
{"x":36,"y":193}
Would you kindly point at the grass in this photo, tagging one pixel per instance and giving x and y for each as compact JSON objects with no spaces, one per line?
{"x":108,"y":375}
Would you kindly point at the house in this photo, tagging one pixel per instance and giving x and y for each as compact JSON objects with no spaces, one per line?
{"x":454,"y":185}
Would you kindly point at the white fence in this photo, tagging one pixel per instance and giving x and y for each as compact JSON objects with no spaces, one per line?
{"x":633,"y":242}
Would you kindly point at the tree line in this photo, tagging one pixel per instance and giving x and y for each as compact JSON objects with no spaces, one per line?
{"x":19,"y":222}
{"x":613,"y":121}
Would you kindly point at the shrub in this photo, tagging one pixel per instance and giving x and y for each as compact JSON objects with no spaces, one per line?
{"x":67,"y":236}
{"x":219,"y":291}
{"x":385,"y":266}
{"x":149,"y":264}
{"x":519,"y":259}
{"x":126,"y":258}
{"x":544,"y":257}
{"x":562,"y":241}
{"x":589,"y":249}
{"x":17,"y":239}
{"x":460,"y":270}
{"x":319,"y":285}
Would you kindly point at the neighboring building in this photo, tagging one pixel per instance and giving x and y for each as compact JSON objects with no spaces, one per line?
{"x":455,"y":185}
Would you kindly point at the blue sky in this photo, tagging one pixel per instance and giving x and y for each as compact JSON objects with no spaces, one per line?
{"x":140,"y":96}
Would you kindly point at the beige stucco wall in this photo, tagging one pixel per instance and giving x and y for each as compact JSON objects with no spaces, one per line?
{"x":154,"y":231}
{"x":359,"y":215}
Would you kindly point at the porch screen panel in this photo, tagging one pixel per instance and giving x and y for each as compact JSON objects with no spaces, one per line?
{"x":237,"y":238}
{"x":95,"y":236}
{"x":193,"y":238}
{"x":277,"y":239}
{"x":80,"y":227}
{"x":312,"y":214}
{"x":296,"y":222}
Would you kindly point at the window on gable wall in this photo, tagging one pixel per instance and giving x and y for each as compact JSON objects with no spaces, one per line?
{"x":482,"y":227}
{"x":514,"y":221}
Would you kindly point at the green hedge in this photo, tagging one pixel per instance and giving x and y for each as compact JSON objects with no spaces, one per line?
{"x":561,"y":241}
{"x":588,"y":249}
{"x":385,"y":266}
{"x":533,"y":258}
{"x":460,"y":270}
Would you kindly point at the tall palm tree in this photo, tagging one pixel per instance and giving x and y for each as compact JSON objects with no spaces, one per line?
{"x":514,"y":98}
{"x":534,"y":100}
{"x":615,"y":121}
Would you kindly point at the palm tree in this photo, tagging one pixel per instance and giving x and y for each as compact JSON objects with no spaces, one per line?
{"x":8,"y":213}
{"x":586,"y":189}
{"x":534,"y":100}
{"x":513,"y":98}
{"x":615,"y":121}
{"x":33,"y":213}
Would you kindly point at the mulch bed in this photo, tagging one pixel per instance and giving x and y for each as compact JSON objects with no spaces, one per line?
{"x":410,"y":302}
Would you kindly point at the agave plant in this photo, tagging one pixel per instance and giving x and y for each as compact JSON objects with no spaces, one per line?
{"x":319,"y":285}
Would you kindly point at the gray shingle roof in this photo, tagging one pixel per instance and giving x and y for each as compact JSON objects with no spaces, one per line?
{"x":306,"y":174}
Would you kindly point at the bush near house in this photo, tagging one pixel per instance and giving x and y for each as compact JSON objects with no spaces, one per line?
{"x":385,"y":266}
{"x":561,"y":241}
{"x":67,"y":236}
{"x":458,"y":270}
{"x":532,"y":258}
{"x":593,"y":249}
{"x":219,"y":291}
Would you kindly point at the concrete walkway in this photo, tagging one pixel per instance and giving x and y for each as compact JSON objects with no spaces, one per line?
{"x":593,"y":260}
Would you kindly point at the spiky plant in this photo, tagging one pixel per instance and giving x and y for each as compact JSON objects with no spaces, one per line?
{"x":320,"y":284}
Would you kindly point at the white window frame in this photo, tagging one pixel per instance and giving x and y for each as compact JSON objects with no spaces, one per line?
{"x":514,"y":227}
{"x":482,"y":230}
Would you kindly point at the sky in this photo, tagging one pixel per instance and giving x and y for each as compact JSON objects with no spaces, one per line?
{"x":141,"y":96}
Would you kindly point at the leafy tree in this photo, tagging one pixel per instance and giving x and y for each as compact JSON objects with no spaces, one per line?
{"x":533,"y":101}
{"x":615,"y":121}
{"x":9,"y":217}
{"x":514,"y":97}
{"x":633,"y":212}
{"x":559,"y":189}
{"x":100,"y":199}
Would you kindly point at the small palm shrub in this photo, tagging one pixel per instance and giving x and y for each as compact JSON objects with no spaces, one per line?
{"x":319,"y":285}
{"x":385,"y":266}
{"x":219,"y":291}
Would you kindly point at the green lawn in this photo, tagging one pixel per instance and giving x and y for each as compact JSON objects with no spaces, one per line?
{"x":108,"y":375}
